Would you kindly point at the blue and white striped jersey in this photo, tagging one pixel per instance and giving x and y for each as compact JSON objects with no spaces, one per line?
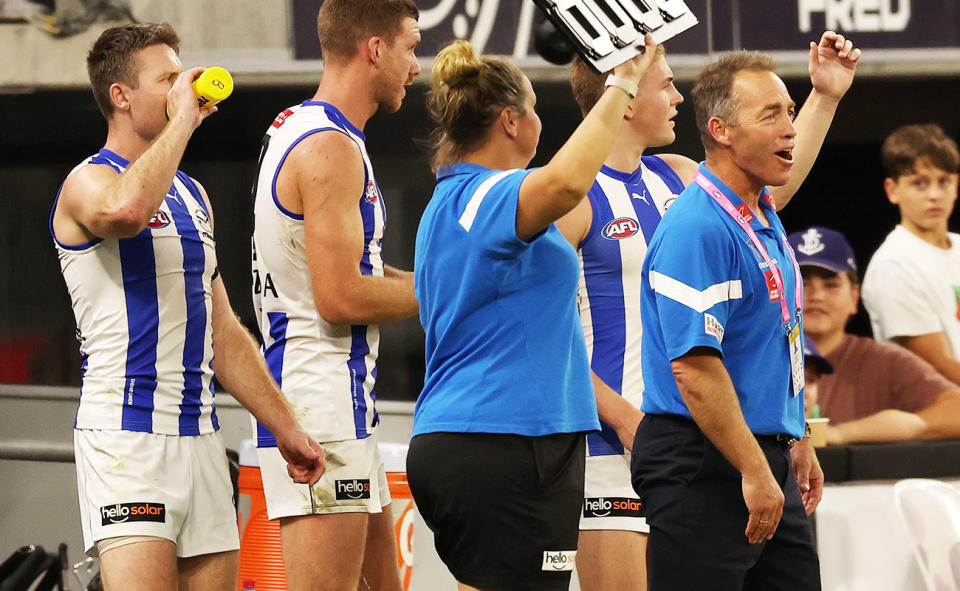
{"x":143,"y":307}
{"x":627,"y":207}
{"x":327,"y":372}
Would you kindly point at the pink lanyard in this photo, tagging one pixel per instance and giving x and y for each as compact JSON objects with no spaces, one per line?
{"x":725,"y":203}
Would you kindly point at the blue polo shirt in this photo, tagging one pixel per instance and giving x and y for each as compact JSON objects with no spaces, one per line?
{"x":504,"y":347}
{"x":705,"y":285}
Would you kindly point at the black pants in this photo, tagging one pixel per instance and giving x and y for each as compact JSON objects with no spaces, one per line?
{"x":694,"y":504}
{"x":504,"y":509}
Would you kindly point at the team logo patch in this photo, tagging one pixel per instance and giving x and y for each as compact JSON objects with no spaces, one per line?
{"x":612,"y":507}
{"x":127,"y":512}
{"x":558,"y":560}
{"x":713,"y":327}
{"x":352,"y":489}
{"x":282,"y":117}
{"x":771,"y":286}
{"x":159,"y":220}
{"x":620,"y":228}
{"x":371,"y":193}
{"x":812,"y":242}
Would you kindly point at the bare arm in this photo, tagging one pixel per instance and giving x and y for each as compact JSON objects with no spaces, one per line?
{"x":98,"y":202}
{"x":940,"y":420}
{"x":241,"y":369}
{"x":327,"y":171}
{"x":832,"y":64}
{"x":706,"y":388}
{"x":617,"y":412}
{"x":942,"y":417}
{"x":936,"y":350}
{"x":887,"y":425}
{"x":576,"y":223}
{"x":547,"y":193}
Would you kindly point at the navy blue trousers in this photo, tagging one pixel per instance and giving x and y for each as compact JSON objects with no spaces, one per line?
{"x":694,"y":504}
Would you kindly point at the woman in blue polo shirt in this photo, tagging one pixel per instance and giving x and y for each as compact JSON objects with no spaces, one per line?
{"x":496,"y":461}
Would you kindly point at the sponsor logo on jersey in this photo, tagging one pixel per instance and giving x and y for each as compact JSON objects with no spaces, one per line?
{"x":612,"y":507}
{"x":620,"y":228}
{"x":771,"y":286}
{"x":558,"y":560}
{"x":352,"y":489}
{"x":127,"y":512}
{"x":713,"y":327}
{"x":282,"y":117}
{"x":159,"y":220}
{"x":371,"y":193}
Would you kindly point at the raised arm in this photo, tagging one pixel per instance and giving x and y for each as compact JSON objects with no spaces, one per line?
{"x":97,"y":202}
{"x":328,"y":172}
{"x":549,"y":192}
{"x":832,"y":65}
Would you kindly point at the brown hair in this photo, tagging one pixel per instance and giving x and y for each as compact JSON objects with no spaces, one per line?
{"x":587,"y":85}
{"x":112,"y":57}
{"x":343,"y":24}
{"x":713,"y":94}
{"x":467,"y":95}
{"x":909,"y":143}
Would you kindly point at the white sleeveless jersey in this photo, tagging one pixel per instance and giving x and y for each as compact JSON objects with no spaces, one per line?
{"x":327,"y":372}
{"x":143,"y":307}
{"x":627,"y":207}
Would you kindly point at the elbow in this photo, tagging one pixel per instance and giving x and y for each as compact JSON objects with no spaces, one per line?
{"x":336,"y":310}
{"x":122,"y":223}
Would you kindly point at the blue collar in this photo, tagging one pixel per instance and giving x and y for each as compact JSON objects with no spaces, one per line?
{"x":459,"y":168}
{"x":737,"y":201}
{"x":113,"y":157}
{"x":336,"y":116}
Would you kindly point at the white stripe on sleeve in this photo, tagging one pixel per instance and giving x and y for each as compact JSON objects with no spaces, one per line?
{"x":693,"y":298}
{"x":470,"y":212}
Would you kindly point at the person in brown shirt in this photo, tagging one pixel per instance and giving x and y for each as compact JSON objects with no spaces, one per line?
{"x":877,"y":392}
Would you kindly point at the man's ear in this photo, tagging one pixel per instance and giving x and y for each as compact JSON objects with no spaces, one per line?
{"x":119,"y":96}
{"x":719,"y":131}
{"x":374,"y":48}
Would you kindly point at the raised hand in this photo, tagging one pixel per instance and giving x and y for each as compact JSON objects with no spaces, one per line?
{"x":833,"y":63}
{"x":182,"y":100}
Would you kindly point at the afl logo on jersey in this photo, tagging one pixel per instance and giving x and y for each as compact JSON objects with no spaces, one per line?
{"x":159,"y":220}
{"x":620,"y":228}
{"x":371,"y":194}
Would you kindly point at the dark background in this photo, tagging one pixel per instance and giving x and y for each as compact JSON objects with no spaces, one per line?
{"x":46,"y":134}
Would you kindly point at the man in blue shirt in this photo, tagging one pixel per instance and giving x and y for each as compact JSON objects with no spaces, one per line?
{"x":718,"y":457}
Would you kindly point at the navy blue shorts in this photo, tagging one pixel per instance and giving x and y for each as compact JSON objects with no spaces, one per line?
{"x":694,"y":504}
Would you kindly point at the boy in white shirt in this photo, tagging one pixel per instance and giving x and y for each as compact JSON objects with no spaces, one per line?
{"x":912,"y":285}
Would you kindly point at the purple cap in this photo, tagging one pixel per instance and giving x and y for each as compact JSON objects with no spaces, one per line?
{"x":812,"y":356}
{"x":824,"y":248}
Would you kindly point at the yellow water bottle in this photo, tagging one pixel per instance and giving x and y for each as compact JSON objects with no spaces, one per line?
{"x":214,"y":85}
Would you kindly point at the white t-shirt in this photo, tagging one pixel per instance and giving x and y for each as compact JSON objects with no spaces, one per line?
{"x":912,"y":288}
